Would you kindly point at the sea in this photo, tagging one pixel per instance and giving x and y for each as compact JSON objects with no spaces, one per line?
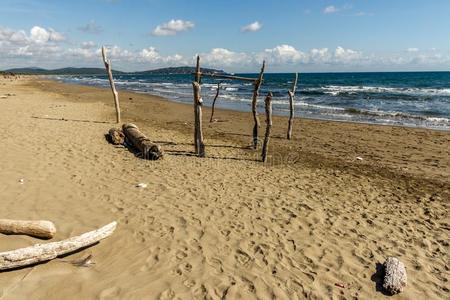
{"x":413,"y":99}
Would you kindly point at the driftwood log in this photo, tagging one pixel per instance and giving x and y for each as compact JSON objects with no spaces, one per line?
{"x":44,"y":252}
{"x":137,"y":139}
{"x":198,"y":103}
{"x":268,"y":105}
{"x":394,"y":276}
{"x":256,"y":87}
{"x":107,"y":63}
{"x":214,"y":102}
{"x":116,"y":136}
{"x":291,"y":107}
{"x":40,"y":229}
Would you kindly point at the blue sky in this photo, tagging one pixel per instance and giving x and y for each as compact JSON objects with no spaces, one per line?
{"x":291,"y":35}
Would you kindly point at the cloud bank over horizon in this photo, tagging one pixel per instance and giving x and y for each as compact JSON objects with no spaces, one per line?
{"x":46,"y":47}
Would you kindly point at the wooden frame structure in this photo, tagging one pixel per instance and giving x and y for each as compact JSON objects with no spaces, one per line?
{"x":198,"y":103}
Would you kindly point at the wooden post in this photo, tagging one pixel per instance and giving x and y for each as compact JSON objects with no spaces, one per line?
{"x":107,"y":63}
{"x":291,"y":107}
{"x":268,"y":104}
{"x":214,"y":102}
{"x":198,"y":102}
{"x":257,"y":85}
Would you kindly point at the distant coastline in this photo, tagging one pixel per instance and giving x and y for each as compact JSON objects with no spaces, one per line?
{"x":101,"y":71}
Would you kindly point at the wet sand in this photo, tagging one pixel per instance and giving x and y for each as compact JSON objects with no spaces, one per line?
{"x":313,"y":222}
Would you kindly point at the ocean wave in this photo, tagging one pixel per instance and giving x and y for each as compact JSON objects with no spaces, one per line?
{"x":426,"y":107}
{"x":336,"y":90}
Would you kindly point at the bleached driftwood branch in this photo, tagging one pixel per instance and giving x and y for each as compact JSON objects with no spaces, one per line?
{"x":214,"y":102}
{"x":148,"y":149}
{"x":256,"y":87}
{"x":291,"y":107}
{"x":107,"y":63}
{"x":268,"y":105}
{"x":394,"y":276}
{"x":44,"y":252}
{"x":41,"y":229}
{"x":200,"y":145}
{"x":198,"y":103}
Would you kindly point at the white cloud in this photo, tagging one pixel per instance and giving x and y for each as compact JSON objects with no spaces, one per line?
{"x":252,"y":27}
{"x":331,"y":9}
{"x":38,"y":35}
{"x":88,"y":45}
{"x":91,"y":28}
{"x":172,"y":27}
{"x":282,"y":54}
{"x":45,"y":47}
{"x":321,"y":55}
{"x":220,"y":57}
{"x":342,"y":55}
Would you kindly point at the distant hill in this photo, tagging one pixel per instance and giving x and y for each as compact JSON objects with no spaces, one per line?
{"x":180,"y":70}
{"x":101,"y":71}
{"x":63,"y":71}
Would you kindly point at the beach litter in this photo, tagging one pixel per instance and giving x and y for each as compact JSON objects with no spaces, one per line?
{"x":359,"y":158}
{"x":21,"y":181}
{"x":341,"y":285}
{"x":141,"y":185}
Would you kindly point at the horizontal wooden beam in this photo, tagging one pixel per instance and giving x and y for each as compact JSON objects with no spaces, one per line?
{"x":231,"y":77}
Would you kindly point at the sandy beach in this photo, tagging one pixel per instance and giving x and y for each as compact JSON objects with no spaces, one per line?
{"x":314,"y":222}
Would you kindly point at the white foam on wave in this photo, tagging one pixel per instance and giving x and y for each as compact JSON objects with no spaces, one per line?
{"x":338,"y":89}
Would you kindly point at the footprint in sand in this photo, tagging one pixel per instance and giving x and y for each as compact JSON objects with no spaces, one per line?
{"x":242,"y":257}
{"x":167,"y":295}
{"x":110,"y":293}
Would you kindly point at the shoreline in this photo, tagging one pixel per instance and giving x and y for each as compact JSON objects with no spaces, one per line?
{"x":311,"y":220}
{"x":400,"y":119}
{"x":276,"y":113}
{"x":316,"y":130}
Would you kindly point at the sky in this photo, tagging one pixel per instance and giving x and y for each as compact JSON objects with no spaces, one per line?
{"x":233,"y":35}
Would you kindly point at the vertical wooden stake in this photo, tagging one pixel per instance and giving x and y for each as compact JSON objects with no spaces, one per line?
{"x":111,"y":82}
{"x":198,"y":102}
{"x":214,"y":102}
{"x":291,"y":107}
{"x":268,"y":104}
{"x":257,"y":85}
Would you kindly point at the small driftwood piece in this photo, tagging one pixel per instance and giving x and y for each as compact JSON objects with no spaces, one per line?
{"x":136,"y":138}
{"x":268,"y":104}
{"x":291,"y":107}
{"x":107,"y":63}
{"x":116,"y":136}
{"x":198,"y":103}
{"x":44,"y":252}
{"x":394,"y":276}
{"x":214,"y":102}
{"x":256,"y":88}
{"x":40,"y":229}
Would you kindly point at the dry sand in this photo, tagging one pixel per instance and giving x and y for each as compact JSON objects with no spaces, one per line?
{"x":313,"y":223}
